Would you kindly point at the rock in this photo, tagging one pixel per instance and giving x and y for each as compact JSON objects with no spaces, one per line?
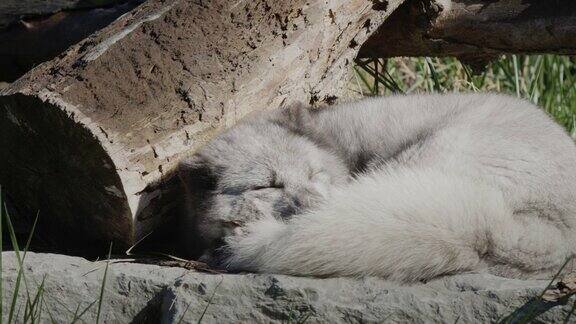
{"x":132,"y":291}
{"x":143,"y":293}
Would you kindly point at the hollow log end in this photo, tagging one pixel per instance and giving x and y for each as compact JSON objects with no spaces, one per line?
{"x":54,"y":166}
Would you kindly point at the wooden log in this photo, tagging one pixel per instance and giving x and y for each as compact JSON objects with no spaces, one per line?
{"x":85,"y":135}
{"x":39,"y":30}
{"x":476,"y":29}
{"x":13,"y":10}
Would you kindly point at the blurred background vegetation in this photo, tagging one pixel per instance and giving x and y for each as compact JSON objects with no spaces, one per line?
{"x":547,"y":80}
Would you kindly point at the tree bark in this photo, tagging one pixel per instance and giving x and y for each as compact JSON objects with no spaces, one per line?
{"x":476,"y":29}
{"x":89,"y":138}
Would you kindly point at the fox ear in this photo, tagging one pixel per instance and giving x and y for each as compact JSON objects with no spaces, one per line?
{"x":196,"y":174}
{"x":294,"y":116}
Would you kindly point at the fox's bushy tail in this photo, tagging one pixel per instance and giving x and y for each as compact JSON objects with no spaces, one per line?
{"x":403,"y":224}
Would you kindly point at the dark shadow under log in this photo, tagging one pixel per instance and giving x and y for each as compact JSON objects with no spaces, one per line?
{"x":69,"y":179}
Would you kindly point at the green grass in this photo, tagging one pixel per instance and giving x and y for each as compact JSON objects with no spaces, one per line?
{"x":34,"y":304}
{"x":547,"y":80}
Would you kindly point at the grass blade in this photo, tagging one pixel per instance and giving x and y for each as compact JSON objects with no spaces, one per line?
{"x":555,"y":277}
{"x":101,"y":298}
{"x":49,"y":312}
{"x":76,"y":313}
{"x":184,"y":313}
{"x":363,"y":79}
{"x":356,"y":78}
{"x":209,"y":301}
{"x":516,"y":75}
{"x":376,"y":89}
{"x":79,"y":316}
{"x":20,"y":262}
{"x":434,"y":75}
{"x":35,"y":301}
{"x":395,"y":87}
{"x":377,"y":77}
{"x":534,"y":82}
{"x":536,"y":306}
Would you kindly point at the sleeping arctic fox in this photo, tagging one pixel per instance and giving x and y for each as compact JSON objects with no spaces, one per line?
{"x":406,"y":188}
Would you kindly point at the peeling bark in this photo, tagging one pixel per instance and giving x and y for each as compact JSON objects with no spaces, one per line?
{"x":90,"y":137}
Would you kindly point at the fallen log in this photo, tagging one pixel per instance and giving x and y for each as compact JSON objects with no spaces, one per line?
{"x":89,"y":138}
{"x":32,"y":31}
{"x":13,"y":10}
{"x":475,"y":30}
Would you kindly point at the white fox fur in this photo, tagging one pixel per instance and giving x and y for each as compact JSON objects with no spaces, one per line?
{"x":440,"y":184}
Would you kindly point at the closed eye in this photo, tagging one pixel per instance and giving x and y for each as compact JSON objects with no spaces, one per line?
{"x":273,"y":185}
